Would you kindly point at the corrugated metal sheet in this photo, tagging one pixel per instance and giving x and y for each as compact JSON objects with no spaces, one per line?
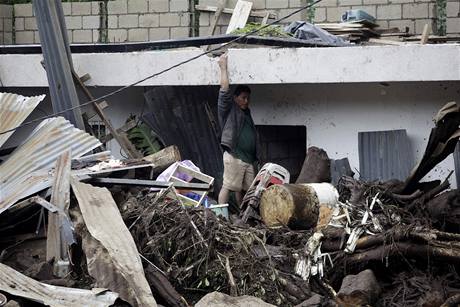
{"x":18,"y":284}
{"x":104,"y":223}
{"x":187,"y":117}
{"x":40,"y":150}
{"x":384,"y":155}
{"x":14,"y":109}
{"x":19,"y":188}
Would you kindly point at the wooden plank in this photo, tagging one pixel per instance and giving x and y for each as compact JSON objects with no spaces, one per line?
{"x":240,"y":16}
{"x":216,"y":16}
{"x":208,"y":8}
{"x":425,"y":34}
{"x":265,"y":19}
{"x":152,"y":183}
{"x":386,"y":42}
{"x":121,"y":138}
{"x":60,"y":197}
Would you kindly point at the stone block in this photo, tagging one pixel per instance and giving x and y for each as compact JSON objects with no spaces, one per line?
{"x":169,"y":20}
{"x":91,"y":22}
{"x":96,"y":36}
{"x":205,"y":19}
{"x":261,"y":5}
{"x":389,"y":12}
{"x":18,"y":24}
{"x":138,"y":35}
{"x":36,"y":37}
{"x":204,"y":31}
{"x":179,"y":32}
{"x":128,"y":21}
{"x":277,"y":4}
{"x":30,"y":23}
{"x":296,"y":17}
{"x":149,"y":20}
{"x":453,"y":9}
{"x":350,"y":2}
{"x":1,"y":25}
{"x":81,"y":8}
{"x":73,"y":22}
{"x":158,"y":34}
{"x":420,"y":24}
{"x":7,"y":38}
{"x":117,"y":7}
{"x":158,"y":6}
{"x":224,"y":300}
{"x":223,"y":20}
{"x":335,"y":13}
{"x":415,"y":10}
{"x":117,"y":35}
{"x":185,"y":19}
{"x":178,"y":5}
{"x":320,"y":14}
{"x":297,"y":3}
{"x":375,"y":2}
{"x":453,"y":25}
{"x":400,"y":1}
{"x":327,"y":3}
{"x":24,"y":37}
{"x":82,"y":36}
{"x":96,"y":7}
{"x":402,"y":25}
{"x":8,"y":24}
{"x":383,"y":24}
{"x":112,"y":21}
{"x":67,"y":8}
{"x":6,"y":10}
{"x":23,"y":10}
{"x":370,"y":9}
{"x":137,"y":6}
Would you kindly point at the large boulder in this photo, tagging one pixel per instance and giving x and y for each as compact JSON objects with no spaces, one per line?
{"x":217,"y":299}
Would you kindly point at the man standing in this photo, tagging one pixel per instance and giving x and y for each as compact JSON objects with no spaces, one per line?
{"x":238,"y":136}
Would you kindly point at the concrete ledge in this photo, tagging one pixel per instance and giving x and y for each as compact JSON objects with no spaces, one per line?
{"x":253,"y":66}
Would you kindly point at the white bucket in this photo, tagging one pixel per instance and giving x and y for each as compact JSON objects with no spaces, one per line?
{"x":327,"y":194}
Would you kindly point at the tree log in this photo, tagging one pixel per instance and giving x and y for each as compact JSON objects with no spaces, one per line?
{"x":295,"y":206}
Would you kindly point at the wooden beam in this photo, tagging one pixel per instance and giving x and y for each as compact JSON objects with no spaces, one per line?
{"x":152,"y":183}
{"x":123,"y":129}
{"x":207,"y":8}
{"x":60,"y":196}
{"x":216,"y":17}
{"x":121,"y":138}
{"x":425,"y":34}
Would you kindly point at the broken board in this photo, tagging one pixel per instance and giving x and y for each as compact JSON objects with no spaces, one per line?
{"x":240,"y":16}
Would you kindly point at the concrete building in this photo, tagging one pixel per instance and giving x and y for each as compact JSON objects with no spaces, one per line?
{"x":334,"y":93}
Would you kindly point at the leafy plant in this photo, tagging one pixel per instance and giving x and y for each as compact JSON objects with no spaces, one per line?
{"x":271,"y":31}
{"x":144,"y":139}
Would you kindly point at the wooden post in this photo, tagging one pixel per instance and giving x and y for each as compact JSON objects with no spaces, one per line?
{"x":60,"y":197}
{"x":215,"y":18}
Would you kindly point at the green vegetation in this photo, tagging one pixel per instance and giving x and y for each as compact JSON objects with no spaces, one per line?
{"x":271,"y":31}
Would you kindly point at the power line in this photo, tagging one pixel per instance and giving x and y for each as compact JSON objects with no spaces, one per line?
{"x":164,"y":70}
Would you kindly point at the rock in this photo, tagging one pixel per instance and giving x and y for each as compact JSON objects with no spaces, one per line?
{"x":316,"y":167}
{"x":12,"y":303}
{"x":359,"y":290}
{"x":217,"y":299}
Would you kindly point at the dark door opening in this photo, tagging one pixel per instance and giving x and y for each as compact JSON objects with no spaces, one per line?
{"x":283,"y":145}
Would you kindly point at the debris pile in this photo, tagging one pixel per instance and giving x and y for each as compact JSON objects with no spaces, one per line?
{"x":89,"y":230}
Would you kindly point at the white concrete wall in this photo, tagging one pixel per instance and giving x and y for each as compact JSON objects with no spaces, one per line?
{"x":335,"y":113}
{"x":253,"y":66}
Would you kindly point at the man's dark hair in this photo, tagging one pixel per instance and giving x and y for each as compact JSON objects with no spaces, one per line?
{"x":241,"y":89}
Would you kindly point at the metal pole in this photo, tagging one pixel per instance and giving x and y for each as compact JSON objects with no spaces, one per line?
{"x":58,"y":61}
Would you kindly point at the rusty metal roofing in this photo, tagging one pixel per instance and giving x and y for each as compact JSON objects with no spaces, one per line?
{"x":14,"y":109}
{"x":40,"y":150}
{"x":18,"y":284}
{"x":105,"y":224}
